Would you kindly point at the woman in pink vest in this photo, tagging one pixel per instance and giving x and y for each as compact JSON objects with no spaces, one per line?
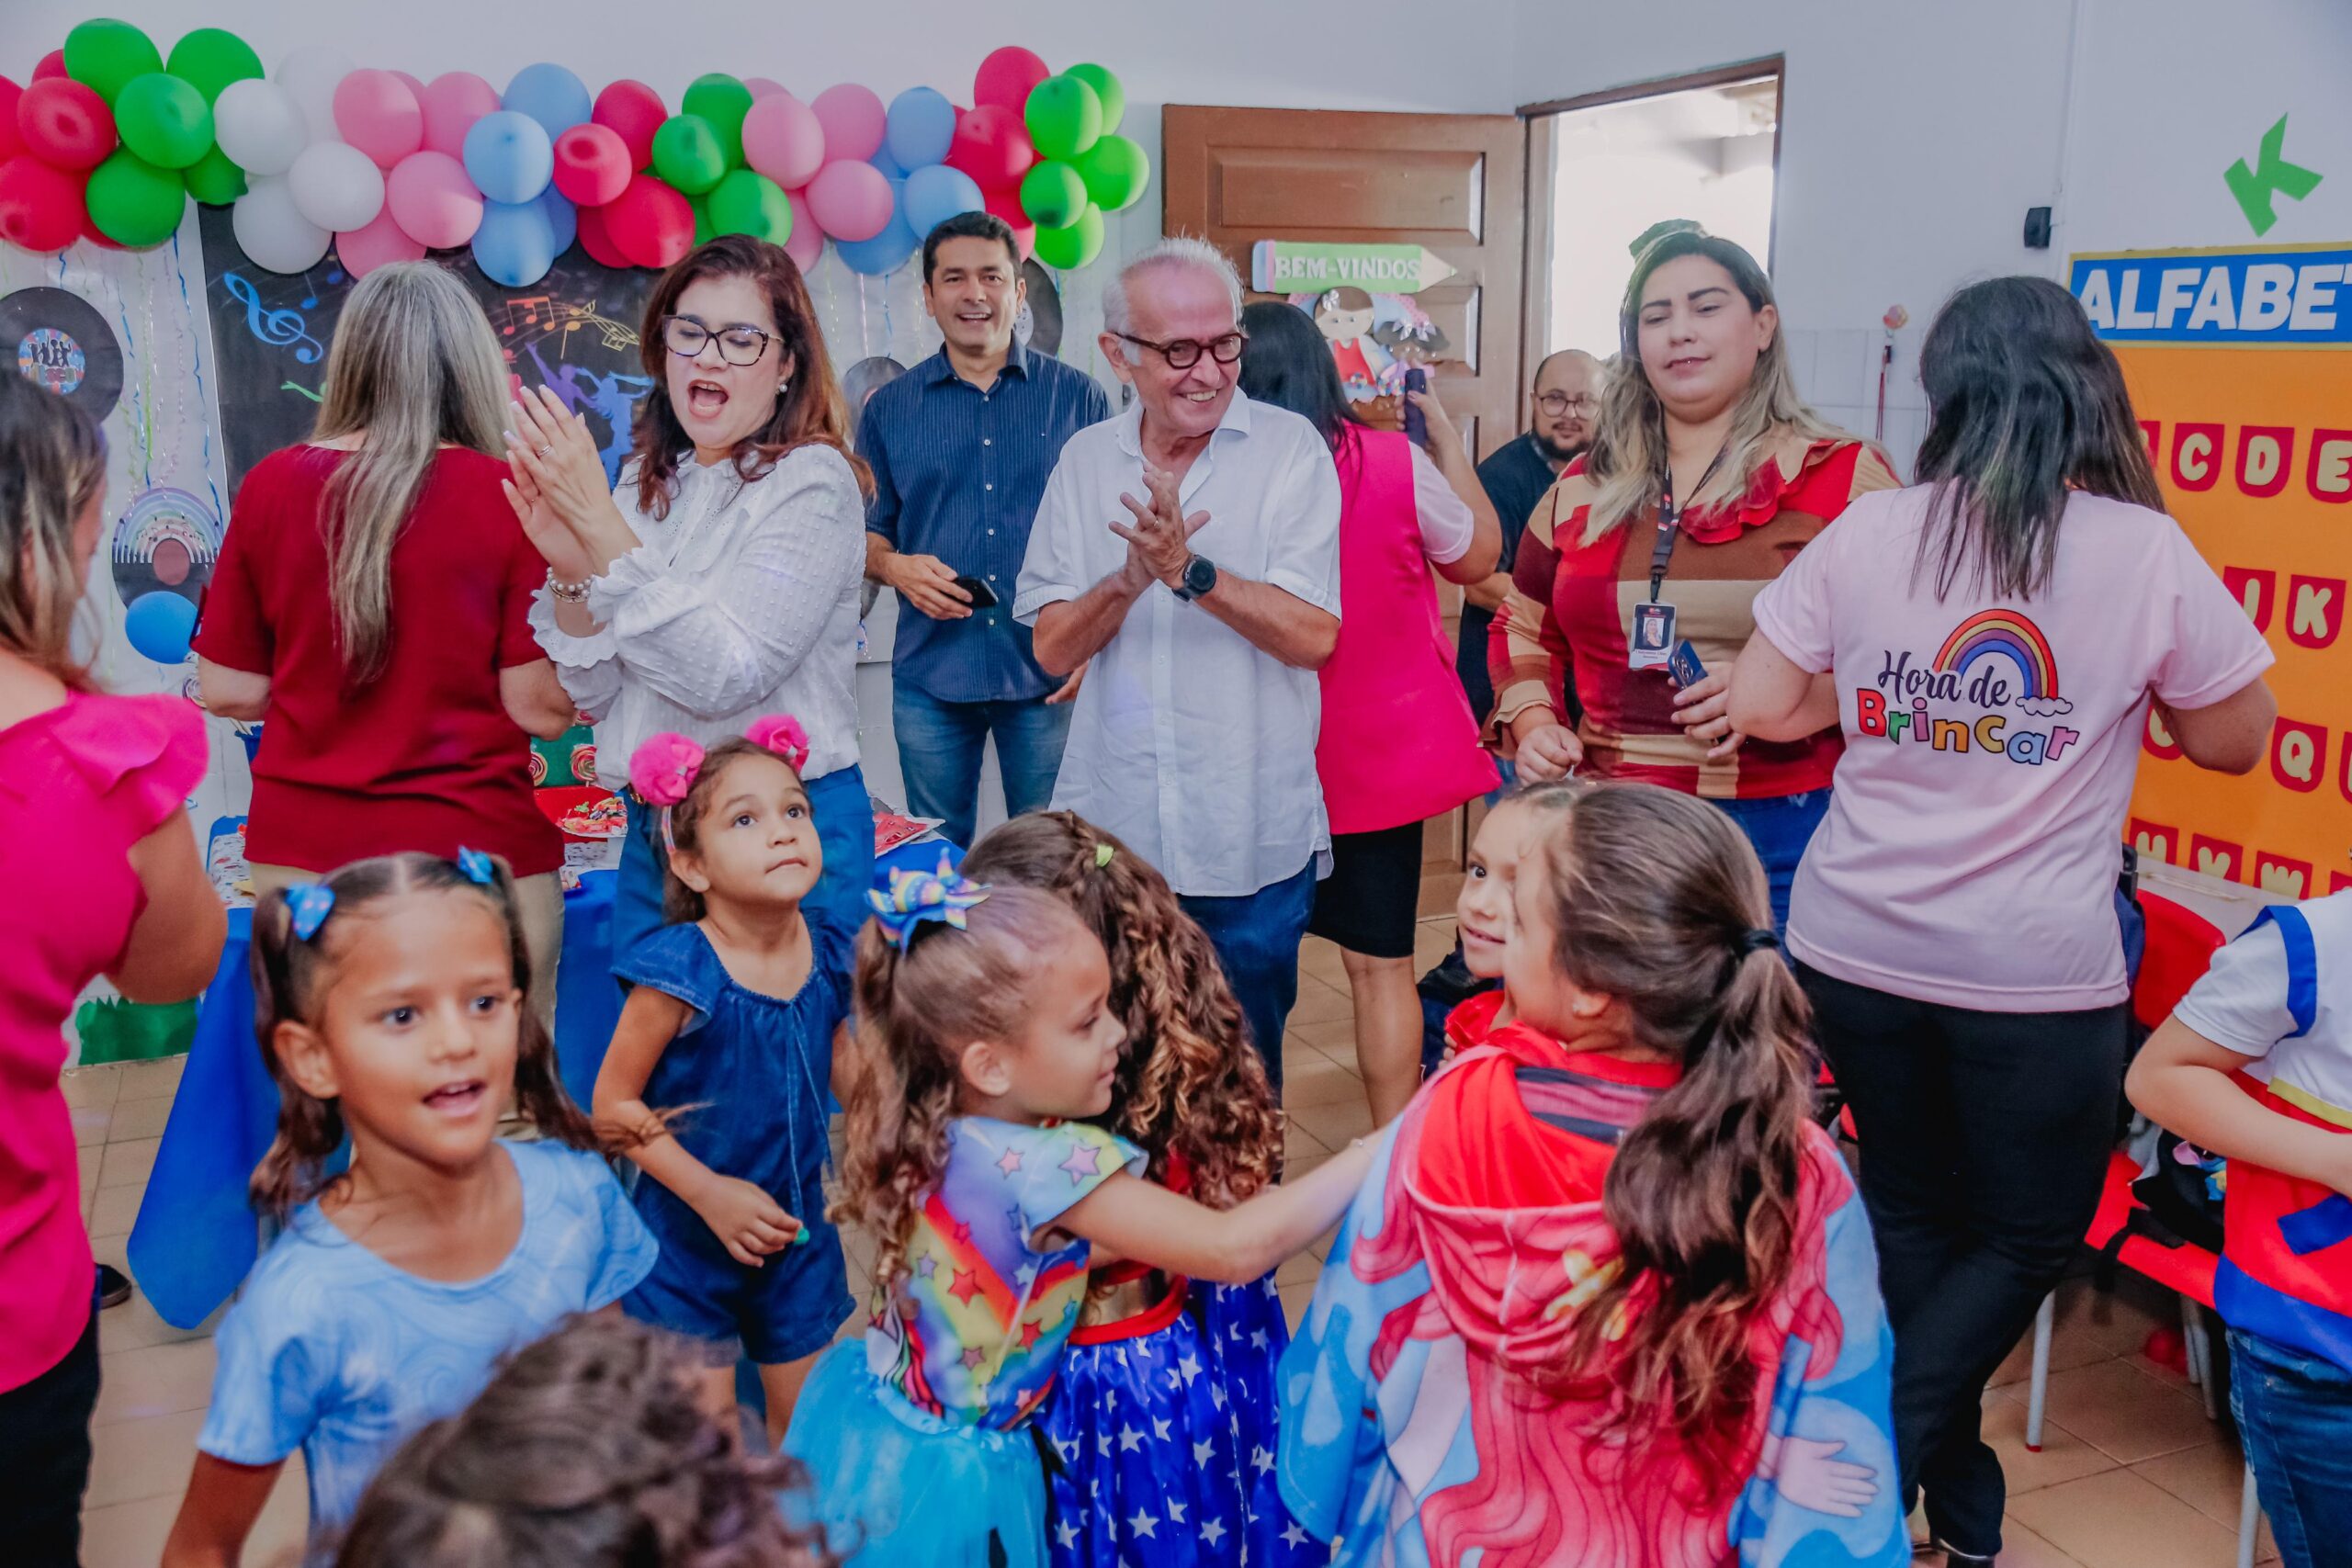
{"x":1398,"y":744}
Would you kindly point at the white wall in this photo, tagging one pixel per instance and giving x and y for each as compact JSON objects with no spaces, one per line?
{"x":1914,"y":138}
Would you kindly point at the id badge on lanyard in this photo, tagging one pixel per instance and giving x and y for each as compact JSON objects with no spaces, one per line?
{"x":1652,"y":642}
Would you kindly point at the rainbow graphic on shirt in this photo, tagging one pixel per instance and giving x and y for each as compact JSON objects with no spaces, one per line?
{"x":2002,"y":631}
{"x":1954,"y":704}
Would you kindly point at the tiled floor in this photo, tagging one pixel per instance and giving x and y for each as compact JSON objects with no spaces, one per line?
{"x":2130,"y":1475}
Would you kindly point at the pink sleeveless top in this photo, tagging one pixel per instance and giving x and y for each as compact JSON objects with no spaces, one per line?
{"x":1398,"y":743}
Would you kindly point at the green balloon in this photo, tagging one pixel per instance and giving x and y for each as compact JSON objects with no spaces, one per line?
{"x":215,"y":179}
{"x":105,"y":54}
{"x":688,"y":153}
{"x":1064,"y":117}
{"x":704,"y":232}
{"x":134,"y":203}
{"x":1114,"y":170}
{"x":748,"y":202}
{"x":163,"y":119}
{"x":211,"y":58}
{"x":1073,"y":247}
{"x":1106,"y":87}
{"x":1053,"y":195}
{"x":723,"y":100}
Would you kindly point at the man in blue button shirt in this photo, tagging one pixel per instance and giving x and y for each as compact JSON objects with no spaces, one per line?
{"x":961,"y":446}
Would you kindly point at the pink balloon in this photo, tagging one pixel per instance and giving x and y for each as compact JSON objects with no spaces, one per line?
{"x":431,"y":197}
{"x":850,"y":199}
{"x":413,"y":85}
{"x":591,"y":165}
{"x":378,"y":114}
{"x":362,"y":251}
{"x":807,"y":242}
{"x":452,"y":102}
{"x":854,"y":119}
{"x":784,"y":141}
{"x":762,"y":86}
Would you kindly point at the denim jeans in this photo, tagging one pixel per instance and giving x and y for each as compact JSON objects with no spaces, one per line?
{"x":844,"y":826}
{"x":939,"y":754}
{"x":1780,"y":827}
{"x":2294,"y":1414}
{"x":1257,"y":937}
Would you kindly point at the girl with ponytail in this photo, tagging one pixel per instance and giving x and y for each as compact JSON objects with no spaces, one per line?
{"x":1609,"y":1250}
{"x":389,"y":1005}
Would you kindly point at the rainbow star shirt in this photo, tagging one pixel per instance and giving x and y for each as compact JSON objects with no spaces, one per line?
{"x":980,"y":1320}
{"x":1995,"y":659}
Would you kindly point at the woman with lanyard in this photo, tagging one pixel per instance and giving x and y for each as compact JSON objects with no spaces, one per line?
{"x":719,"y":581}
{"x":1711,"y":445}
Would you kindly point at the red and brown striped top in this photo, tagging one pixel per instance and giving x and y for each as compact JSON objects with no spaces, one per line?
{"x":1569,"y":615}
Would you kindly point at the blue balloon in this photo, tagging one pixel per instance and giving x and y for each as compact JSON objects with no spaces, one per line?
{"x":551,"y":94}
{"x":563,"y":219}
{"x":516,"y":244}
{"x":159,"y":625}
{"x":880,"y":255}
{"x":510,"y":156}
{"x":920,"y":125}
{"x":888,"y":164}
{"x":936,"y":193}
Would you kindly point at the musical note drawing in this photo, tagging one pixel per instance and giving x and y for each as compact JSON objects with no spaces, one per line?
{"x":530,"y":307}
{"x":279,"y":328}
{"x":298,"y":386}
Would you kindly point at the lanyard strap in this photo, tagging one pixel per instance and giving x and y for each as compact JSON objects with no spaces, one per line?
{"x":1667,"y":517}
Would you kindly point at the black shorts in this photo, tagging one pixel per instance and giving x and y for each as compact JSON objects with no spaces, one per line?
{"x":1372,"y":896}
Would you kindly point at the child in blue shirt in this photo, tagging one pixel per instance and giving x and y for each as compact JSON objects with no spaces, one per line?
{"x":388,"y":1004}
{"x":718,"y":1073}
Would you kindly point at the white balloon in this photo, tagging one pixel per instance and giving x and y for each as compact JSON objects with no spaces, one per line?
{"x":311,"y":73}
{"x":336,"y":185}
{"x":260,"y":126}
{"x":273,"y":231}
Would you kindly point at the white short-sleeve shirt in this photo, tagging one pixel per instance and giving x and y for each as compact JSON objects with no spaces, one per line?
{"x":1187,"y":741}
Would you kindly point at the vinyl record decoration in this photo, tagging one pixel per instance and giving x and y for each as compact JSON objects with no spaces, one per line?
{"x":164,"y":547}
{"x":61,"y":341}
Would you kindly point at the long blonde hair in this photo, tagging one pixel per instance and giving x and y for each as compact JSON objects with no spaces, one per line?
{"x":414,"y":366}
{"x":52,"y":464}
{"x":1628,"y":455}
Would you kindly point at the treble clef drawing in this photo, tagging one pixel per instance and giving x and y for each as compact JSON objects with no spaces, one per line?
{"x":279,"y":328}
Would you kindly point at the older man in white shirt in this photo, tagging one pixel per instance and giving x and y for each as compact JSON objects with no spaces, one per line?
{"x":1190,"y":549}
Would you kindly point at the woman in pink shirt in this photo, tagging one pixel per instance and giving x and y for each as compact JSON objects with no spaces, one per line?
{"x":1990,"y":640}
{"x":1398,"y":744}
{"x":97,"y":785}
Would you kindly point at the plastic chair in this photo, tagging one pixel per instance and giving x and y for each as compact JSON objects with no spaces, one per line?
{"x":2180,"y":946}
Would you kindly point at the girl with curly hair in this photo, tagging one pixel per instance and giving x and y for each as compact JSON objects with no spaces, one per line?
{"x":986,"y":1039}
{"x":588,"y":1449}
{"x":1193,"y":1094}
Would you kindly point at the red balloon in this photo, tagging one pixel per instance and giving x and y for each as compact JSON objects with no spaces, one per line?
{"x":597,"y":239}
{"x":1006,"y":204}
{"x":41,"y":207}
{"x":11,"y":143}
{"x":592,"y":164}
{"x":97,"y":236}
{"x":651,"y":223}
{"x":65,"y":123}
{"x":52,"y":64}
{"x":1005,"y":78}
{"x":634,"y":111}
{"x":992,"y":146}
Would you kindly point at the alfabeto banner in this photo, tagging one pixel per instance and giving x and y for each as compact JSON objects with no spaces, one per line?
{"x":2240,"y":366}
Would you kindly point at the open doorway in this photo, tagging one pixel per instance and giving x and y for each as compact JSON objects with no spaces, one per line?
{"x":1608,"y":165}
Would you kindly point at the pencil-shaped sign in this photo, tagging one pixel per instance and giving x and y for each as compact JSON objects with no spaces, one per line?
{"x":1302,"y":267}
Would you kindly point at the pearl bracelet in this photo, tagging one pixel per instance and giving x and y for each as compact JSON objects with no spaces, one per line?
{"x":568,"y":592}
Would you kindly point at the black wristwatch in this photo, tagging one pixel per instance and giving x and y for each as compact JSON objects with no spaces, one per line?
{"x":1200,"y":576}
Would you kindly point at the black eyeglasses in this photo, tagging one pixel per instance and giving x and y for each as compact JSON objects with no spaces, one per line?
{"x":1185,"y":353}
{"x":738,"y":345}
{"x":1558,"y":403}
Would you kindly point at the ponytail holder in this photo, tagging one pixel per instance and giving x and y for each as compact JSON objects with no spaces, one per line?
{"x":782,"y":734}
{"x":476,"y":867}
{"x":1758,"y":940}
{"x":917,"y":897}
{"x":309,"y":904}
{"x":1103,"y":853}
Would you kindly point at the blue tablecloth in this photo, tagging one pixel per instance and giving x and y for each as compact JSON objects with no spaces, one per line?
{"x":195,"y":1235}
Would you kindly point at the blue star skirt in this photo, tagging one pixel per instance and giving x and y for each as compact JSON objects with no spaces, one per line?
{"x":1245,"y":1327}
{"x":1155,"y":1464}
{"x":895,"y":1487}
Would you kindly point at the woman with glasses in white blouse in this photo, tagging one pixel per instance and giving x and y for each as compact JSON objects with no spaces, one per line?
{"x":719,"y":581}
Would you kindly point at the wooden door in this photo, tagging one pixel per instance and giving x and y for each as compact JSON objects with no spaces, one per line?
{"x":1456,"y":184}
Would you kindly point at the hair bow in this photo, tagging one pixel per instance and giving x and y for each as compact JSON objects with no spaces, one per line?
{"x":782,"y":734}
{"x":915,"y":896}
{"x":476,"y":867}
{"x":663,"y":769}
{"x":309,"y":903}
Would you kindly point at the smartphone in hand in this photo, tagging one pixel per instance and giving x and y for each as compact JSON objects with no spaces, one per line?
{"x":1416,"y":424}
{"x":1684,"y":666}
{"x":983,"y":597}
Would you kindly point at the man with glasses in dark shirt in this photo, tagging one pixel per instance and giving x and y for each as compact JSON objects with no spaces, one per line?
{"x":961,"y":446}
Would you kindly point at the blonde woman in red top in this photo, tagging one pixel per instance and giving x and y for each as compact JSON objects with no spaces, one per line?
{"x":1711,"y":440}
